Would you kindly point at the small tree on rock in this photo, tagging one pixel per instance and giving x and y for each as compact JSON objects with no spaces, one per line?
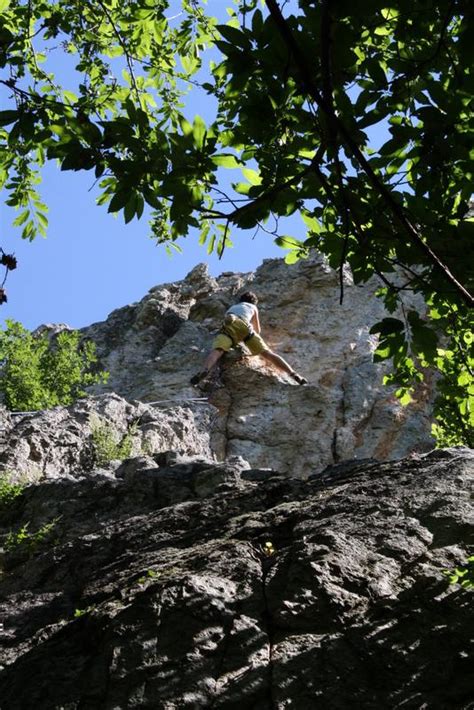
{"x":37,"y":373}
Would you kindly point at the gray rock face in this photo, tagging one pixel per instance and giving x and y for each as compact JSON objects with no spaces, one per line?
{"x":61,"y":440}
{"x":152,"y":348}
{"x":247,"y":549}
{"x":170,"y":581}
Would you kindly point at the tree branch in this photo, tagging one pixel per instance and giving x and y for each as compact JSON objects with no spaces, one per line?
{"x":124,"y":48}
{"x":274,"y":191}
{"x":397,"y":211}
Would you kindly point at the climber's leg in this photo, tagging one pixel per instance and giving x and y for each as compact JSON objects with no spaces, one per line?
{"x":211,"y":361}
{"x":282,"y":364}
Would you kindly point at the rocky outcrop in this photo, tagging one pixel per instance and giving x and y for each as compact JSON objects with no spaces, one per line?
{"x":173,"y":581}
{"x":70,"y":440}
{"x":152,"y":348}
{"x":253,"y":545}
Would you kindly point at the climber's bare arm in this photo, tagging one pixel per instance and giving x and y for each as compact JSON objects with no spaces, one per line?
{"x":256,"y":322}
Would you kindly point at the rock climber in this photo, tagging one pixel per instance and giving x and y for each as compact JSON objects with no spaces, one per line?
{"x":242,"y":325}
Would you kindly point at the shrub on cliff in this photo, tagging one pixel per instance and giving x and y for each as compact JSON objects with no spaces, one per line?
{"x":37,"y":373}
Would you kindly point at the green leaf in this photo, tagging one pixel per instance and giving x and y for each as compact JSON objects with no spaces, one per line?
{"x":210,"y":246}
{"x":404,"y":397}
{"x":7,"y":117}
{"x":190,"y":64}
{"x":119,"y":200}
{"x":288,"y":243}
{"x":42,"y":221}
{"x":376,"y":72}
{"x":130,"y":209}
{"x":382,"y":30}
{"x":204,"y":233}
{"x":151,"y":198}
{"x":199,"y":131}
{"x":236,"y":37}
{"x":252,"y":176}
{"x":311,"y":222}
{"x":69,"y":96}
{"x":292,"y":257}
{"x":21,"y":219}
{"x":388,"y":326}
{"x":425,"y":340}
{"x":375,"y":115}
{"x":242,"y":188}
{"x":140,"y":205}
{"x":393,"y":146}
{"x":257,"y":22}
{"x":186,"y":127}
{"x":225,"y":160}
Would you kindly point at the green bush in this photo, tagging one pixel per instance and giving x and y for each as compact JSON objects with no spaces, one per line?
{"x":25,"y":542}
{"x":9,"y":491}
{"x":39,"y":374}
{"x":108,"y":444}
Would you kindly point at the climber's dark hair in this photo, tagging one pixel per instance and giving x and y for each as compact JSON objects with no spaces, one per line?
{"x":248,"y":297}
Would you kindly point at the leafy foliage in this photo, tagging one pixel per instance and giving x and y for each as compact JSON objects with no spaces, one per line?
{"x":83,"y":612}
{"x":414,"y":349}
{"x":149,"y":575}
{"x":463,"y":575}
{"x":108,"y":444}
{"x":26,"y":542}
{"x":300,"y":95}
{"x":9,"y":491}
{"x":36,"y":374}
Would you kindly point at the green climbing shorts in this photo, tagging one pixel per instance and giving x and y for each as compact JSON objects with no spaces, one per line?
{"x":234,"y":331}
{"x":255,"y":344}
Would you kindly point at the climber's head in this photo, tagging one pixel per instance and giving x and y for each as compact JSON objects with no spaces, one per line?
{"x":248,"y":297}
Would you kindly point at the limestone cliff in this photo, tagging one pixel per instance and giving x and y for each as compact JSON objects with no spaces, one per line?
{"x":151,"y":349}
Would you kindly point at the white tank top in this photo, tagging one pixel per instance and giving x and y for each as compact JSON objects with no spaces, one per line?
{"x":243,"y":310}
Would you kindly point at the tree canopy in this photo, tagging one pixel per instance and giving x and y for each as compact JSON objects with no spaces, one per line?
{"x":298,"y":95}
{"x":39,"y":372}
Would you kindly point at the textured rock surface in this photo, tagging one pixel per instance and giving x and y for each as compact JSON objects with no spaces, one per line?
{"x":151,"y":349}
{"x":198,"y":569}
{"x":51,"y":443}
{"x":175,"y":582}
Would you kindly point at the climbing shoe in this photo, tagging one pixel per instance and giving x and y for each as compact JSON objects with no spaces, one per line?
{"x":196,"y":379}
{"x":299,"y":379}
